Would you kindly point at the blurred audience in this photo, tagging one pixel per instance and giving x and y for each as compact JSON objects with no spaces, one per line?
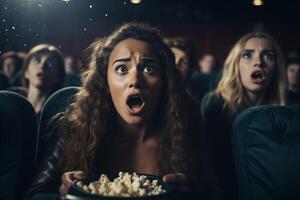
{"x":10,"y":64}
{"x":207,"y":63}
{"x":205,"y":76}
{"x":43,"y":73}
{"x":253,"y":74}
{"x":184,"y":53}
{"x":293,"y":75}
{"x":72,"y":68}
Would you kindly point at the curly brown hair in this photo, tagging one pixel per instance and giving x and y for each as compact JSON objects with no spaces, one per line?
{"x":87,"y":123}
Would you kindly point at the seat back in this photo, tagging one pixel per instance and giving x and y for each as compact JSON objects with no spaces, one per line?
{"x":55,"y":104}
{"x":18,"y":134}
{"x":4,"y":83}
{"x":266,"y":149}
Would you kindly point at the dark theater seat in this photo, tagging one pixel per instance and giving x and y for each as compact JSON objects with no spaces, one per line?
{"x":56,"y":103}
{"x":18,"y":133}
{"x":266,"y":148}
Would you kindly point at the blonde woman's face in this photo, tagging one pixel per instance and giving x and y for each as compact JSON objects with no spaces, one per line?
{"x":134,"y":81}
{"x":256,"y":65}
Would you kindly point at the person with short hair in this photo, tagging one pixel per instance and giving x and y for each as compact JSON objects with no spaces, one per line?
{"x":42,"y":73}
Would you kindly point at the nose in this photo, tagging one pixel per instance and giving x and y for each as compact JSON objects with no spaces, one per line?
{"x":41,"y":65}
{"x":134,"y":78}
{"x":258,"y":61}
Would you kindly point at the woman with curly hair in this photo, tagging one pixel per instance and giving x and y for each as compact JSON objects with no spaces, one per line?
{"x":132,"y":114}
{"x":254,"y":74}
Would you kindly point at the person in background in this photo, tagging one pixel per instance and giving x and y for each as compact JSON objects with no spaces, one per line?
{"x":206,"y":75}
{"x":184,"y":53}
{"x":10,"y":65}
{"x":42,"y":73}
{"x":253,"y":74}
{"x":207,"y":63}
{"x":293,"y":76}
{"x":132,"y":114}
{"x":184,"y":56}
{"x":72,"y":77}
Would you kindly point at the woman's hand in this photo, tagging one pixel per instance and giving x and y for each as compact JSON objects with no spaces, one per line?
{"x":68,"y":178}
{"x":178,"y":179}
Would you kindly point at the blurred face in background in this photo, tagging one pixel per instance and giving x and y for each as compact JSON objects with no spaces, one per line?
{"x":70,"y":64}
{"x":42,"y":72}
{"x":293,"y":74}
{"x":207,"y":63}
{"x":9,"y":67}
{"x":182,"y":62}
{"x":256,"y":65}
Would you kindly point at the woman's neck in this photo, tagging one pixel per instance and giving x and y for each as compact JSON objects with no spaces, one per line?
{"x":134,"y":133}
{"x":254,"y":99}
{"x":37,"y":97}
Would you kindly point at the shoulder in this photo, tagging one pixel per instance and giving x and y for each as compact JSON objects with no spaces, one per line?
{"x":211,"y":102}
{"x":193,"y":105}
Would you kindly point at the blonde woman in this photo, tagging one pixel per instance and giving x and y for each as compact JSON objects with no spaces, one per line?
{"x":254,"y":74}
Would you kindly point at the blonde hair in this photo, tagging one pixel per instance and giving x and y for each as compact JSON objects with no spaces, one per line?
{"x":230,"y":87}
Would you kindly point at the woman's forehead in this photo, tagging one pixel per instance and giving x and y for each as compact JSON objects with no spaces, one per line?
{"x":130,"y":46}
{"x":255,"y":42}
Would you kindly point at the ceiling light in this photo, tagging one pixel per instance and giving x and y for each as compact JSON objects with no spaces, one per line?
{"x":258,"y":2}
{"x":135,"y":1}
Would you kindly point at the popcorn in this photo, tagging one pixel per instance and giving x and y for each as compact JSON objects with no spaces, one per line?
{"x":126,"y":185}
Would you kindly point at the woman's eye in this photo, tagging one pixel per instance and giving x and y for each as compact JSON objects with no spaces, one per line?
{"x":268,"y":56}
{"x":247,"y":55}
{"x":121,"y":69}
{"x":37,"y":60}
{"x":149,"y":69}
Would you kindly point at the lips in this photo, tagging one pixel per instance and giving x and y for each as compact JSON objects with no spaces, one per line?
{"x":258,"y":77}
{"x":135,"y":103}
{"x":40,"y":75}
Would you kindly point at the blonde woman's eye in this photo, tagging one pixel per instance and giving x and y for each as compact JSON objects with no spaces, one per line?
{"x":247,"y":55}
{"x":149,"y":69}
{"x":268,"y":56}
{"x":121,"y":69}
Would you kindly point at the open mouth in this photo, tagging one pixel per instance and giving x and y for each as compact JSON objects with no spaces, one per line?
{"x":40,"y":75}
{"x":258,"y":76}
{"x":135,"y":103}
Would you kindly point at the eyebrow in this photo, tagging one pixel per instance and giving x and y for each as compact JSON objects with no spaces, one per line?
{"x":264,"y":50}
{"x":144,"y":59}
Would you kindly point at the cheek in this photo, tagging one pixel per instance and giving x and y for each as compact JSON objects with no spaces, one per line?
{"x":28,"y":73}
{"x":244,"y":73}
{"x":158,"y":90}
{"x":114,"y":87}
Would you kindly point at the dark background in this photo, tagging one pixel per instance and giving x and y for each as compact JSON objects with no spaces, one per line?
{"x":212,"y":25}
